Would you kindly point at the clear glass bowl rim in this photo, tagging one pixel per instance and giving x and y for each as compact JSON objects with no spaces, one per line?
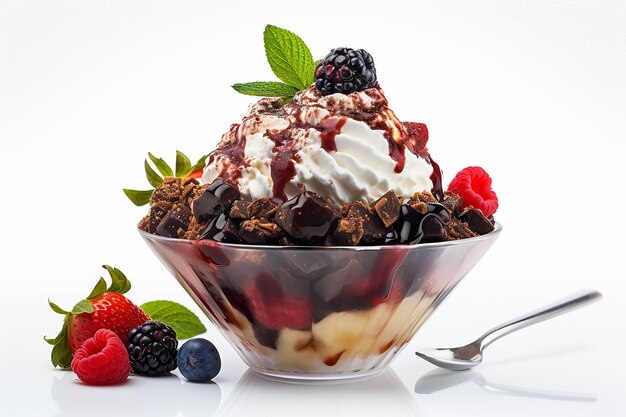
{"x":491,"y":235}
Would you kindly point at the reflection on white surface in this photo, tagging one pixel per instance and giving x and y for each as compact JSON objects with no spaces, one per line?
{"x":382,"y":395}
{"x":162,"y":396}
{"x":439,"y":380}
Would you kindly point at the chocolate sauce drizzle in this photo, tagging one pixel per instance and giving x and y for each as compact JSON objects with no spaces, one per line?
{"x":329,"y":128}
{"x":283,"y":167}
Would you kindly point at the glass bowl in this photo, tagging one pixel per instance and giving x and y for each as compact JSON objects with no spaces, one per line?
{"x":303,"y":312}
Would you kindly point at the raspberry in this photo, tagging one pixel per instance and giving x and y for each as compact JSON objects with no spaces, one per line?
{"x":102,"y":360}
{"x":473,"y":185}
{"x":345,"y":70}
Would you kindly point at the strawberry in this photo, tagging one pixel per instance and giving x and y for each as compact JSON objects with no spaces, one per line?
{"x":104,"y":308}
{"x":473,"y":184}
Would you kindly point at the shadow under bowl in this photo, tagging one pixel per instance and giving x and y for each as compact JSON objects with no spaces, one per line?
{"x":316,"y":313}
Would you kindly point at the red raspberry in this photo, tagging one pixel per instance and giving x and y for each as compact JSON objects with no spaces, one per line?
{"x":473,"y":184}
{"x":102,"y":359}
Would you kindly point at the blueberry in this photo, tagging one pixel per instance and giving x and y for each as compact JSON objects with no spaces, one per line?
{"x":199,"y":360}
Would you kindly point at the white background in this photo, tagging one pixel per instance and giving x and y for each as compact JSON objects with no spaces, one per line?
{"x":535,"y":92}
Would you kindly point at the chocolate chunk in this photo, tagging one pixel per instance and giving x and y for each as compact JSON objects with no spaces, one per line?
{"x":434,"y":230}
{"x":422,"y":196}
{"x":388,"y":208}
{"x":374,"y":231}
{"x":453,"y":202}
{"x":239,"y":210}
{"x":188,"y":192}
{"x":169,"y":190}
{"x":458,"y":229}
{"x":176,"y":219}
{"x":354,"y":209}
{"x":231,"y":232}
{"x":215,"y":199}
{"x":476,"y":221}
{"x":348,"y":232}
{"x":258,"y":231}
{"x":214,"y":229}
{"x":262,"y":208}
{"x":415,"y":226}
{"x":306,"y":217}
{"x":157,"y":212}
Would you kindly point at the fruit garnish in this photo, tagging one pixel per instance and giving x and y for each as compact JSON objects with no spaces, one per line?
{"x":102,"y":360}
{"x":290,"y":60}
{"x":184,"y":170}
{"x":104,"y":308}
{"x":473,"y":184}
{"x":152,"y":348}
{"x":345,"y":70}
{"x":107,"y":308}
{"x":198,"y":360}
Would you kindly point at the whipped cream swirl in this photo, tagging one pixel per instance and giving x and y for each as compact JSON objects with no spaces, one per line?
{"x":343,"y":147}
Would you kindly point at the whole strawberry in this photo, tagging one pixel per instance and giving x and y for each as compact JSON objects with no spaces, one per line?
{"x":104,"y":308}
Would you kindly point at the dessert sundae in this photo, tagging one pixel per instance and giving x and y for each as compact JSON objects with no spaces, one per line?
{"x":318,"y":235}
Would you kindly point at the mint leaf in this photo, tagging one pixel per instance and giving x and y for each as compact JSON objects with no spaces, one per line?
{"x":83,"y":306}
{"x":139,"y":198}
{"x":266,"y":89}
{"x":161,"y":165}
{"x":289,"y":57}
{"x":184,"y":322}
{"x":183,"y":164}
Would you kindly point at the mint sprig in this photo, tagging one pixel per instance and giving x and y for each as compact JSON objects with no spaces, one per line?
{"x":184,"y":322}
{"x":266,"y":89}
{"x":290,"y":60}
{"x":184,"y":169}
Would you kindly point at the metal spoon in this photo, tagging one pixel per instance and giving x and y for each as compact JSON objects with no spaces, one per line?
{"x":470,"y":355}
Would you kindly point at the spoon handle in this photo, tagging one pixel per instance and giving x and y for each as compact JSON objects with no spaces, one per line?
{"x":570,"y":303}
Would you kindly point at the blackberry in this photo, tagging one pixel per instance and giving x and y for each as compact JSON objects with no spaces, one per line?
{"x":152,"y":349}
{"x":345,"y":70}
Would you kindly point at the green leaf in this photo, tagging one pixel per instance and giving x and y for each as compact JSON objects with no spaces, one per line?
{"x":266,"y":89}
{"x":61,"y":355}
{"x":201,"y":163}
{"x":49,"y":341}
{"x":153,"y":178}
{"x":161,"y":165}
{"x":119,"y":283}
{"x":289,"y":57}
{"x":183,"y":164}
{"x":83,"y":306}
{"x":139,"y":198}
{"x":56,"y":308}
{"x":99,"y":289}
{"x":184,"y":322}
